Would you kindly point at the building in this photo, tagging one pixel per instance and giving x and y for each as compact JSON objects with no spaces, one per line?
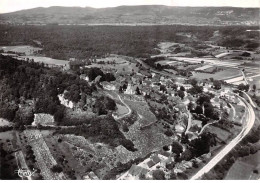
{"x":137,"y":171}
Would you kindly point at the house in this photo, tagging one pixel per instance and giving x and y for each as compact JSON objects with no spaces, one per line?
{"x":65,"y":102}
{"x":92,"y":176}
{"x":215,"y":102}
{"x":43,"y":119}
{"x":179,"y":129}
{"x":150,"y":163}
{"x":84,"y":76}
{"x":187,"y":86}
{"x":131,"y":89}
{"x":136,"y":171}
{"x":166,"y":154}
{"x":155,"y":159}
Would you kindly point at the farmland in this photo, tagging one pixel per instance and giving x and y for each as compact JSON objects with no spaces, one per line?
{"x":227,"y":73}
{"x":26,"y":49}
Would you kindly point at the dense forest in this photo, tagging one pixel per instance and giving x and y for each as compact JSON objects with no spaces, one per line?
{"x":64,"y":42}
{"x":22,"y":81}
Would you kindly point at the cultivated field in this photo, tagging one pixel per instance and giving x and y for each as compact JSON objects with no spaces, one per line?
{"x":221,"y":75}
{"x":46,"y":60}
{"x":27,"y":50}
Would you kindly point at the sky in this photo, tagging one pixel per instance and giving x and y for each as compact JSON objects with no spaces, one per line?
{"x":15,"y":5}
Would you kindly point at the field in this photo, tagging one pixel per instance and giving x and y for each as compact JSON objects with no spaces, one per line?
{"x":121,"y":110}
{"x":116,"y":64}
{"x":221,"y":75}
{"x":4,"y":122}
{"x":244,"y":167}
{"x":46,"y":60}
{"x":204,"y":67}
{"x":239,"y":117}
{"x":255,"y":80}
{"x":142,"y":109}
{"x":223,"y":135}
{"x":27,"y":50}
{"x":167,"y":62}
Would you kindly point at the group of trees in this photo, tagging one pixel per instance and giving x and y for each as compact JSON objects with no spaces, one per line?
{"x":243,"y":87}
{"x":196,"y":89}
{"x":198,"y":146}
{"x":104,"y":104}
{"x":94,"y":72}
{"x":203,"y":101}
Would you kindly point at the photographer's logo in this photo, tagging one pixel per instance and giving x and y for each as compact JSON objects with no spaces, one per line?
{"x":25,"y":173}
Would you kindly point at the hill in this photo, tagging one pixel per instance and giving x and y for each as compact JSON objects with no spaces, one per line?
{"x":146,"y":14}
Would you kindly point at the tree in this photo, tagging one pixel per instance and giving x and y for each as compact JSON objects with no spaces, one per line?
{"x":120,"y":89}
{"x":181,"y":94}
{"x":193,"y":82}
{"x":182,"y":176}
{"x":56,"y":169}
{"x":158,"y":175}
{"x":187,"y":155}
{"x":170,"y":165}
{"x":138,"y":91}
{"x":198,"y":109}
{"x":163,"y":88}
{"x":173,"y":176}
{"x":209,"y":111}
{"x":166,"y":148}
{"x":203,"y":98}
{"x":174,"y":86}
{"x":243,"y":87}
{"x":177,"y":148}
{"x":182,"y":88}
{"x":168,"y":133}
{"x":254,"y":87}
{"x":217,"y":84}
{"x":190,"y":106}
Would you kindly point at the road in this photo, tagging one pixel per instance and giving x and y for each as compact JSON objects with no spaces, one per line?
{"x":129,"y":109}
{"x":189,"y":122}
{"x":216,"y":159}
{"x":234,"y":111}
{"x":122,"y":101}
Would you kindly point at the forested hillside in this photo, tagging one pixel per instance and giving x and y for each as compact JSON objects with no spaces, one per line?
{"x":64,"y":42}
{"x":145,"y":14}
{"x":27,"y":88}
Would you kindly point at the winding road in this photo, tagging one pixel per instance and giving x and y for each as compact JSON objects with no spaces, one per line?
{"x":216,"y":159}
{"x":122,"y":101}
{"x":129,"y":109}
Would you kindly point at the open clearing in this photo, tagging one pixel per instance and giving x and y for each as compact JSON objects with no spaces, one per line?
{"x":4,"y":122}
{"x":166,"y":62}
{"x":203,"y":67}
{"x":46,"y":60}
{"x":227,"y":73}
{"x":27,"y":50}
{"x":121,"y":110}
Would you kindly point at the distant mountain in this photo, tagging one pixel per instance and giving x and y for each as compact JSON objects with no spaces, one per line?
{"x":146,"y":14}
